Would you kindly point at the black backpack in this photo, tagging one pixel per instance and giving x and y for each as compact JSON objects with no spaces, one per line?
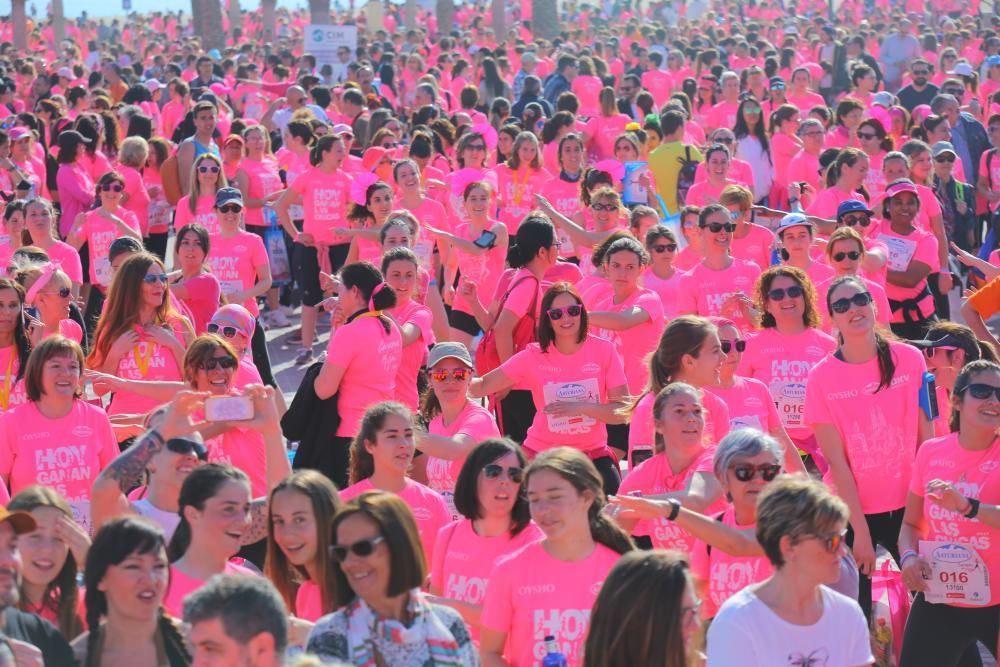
{"x":685,"y":177}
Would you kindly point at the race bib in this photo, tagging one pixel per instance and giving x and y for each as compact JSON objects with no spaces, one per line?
{"x":586,"y":391}
{"x":900,"y":252}
{"x":230,"y":286}
{"x":790,"y":399}
{"x":102,"y":269}
{"x":958,"y":574}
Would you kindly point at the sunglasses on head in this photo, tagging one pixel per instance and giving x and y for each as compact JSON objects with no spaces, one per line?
{"x":747,"y":472}
{"x":227,"y":331}
{"x":185,"y":446}
{"x":930,"y":352}
{"x":863,"y":220}
{"x":604,"y":207}
{"x":206,"y":168}
{"x":557,"y":313}
{"x":361,"y":549}
{"x":230,"y":208}
{"x":779,"y":293}
{"x":661,"y":248}
{"x":225,"y":363}
{"x":853,"y":255}
{"x":716,"y":227}
{"x":157,"y":277}
{"x":981,"y":391}
{"x":456,"y":374}
{"x":495,"y":470}
{"x":63,"y":292}
{"x":727,"y":346}
{"x":945,"y":159}
{"x":111,"y":187}
{"x":860,"y":299}
{"x":831,"y":543}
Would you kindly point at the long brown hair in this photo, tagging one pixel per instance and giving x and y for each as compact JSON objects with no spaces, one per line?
{"x":122,"y":311}
{"x":810,"y":316}
{"x":684,"y":335}
{"x":886,"y":364}
{"x":362,"y":462}
{"x":325,"y":502}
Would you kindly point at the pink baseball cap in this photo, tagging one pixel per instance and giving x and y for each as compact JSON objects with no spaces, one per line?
{"x":18,"y":133}
{"x":233,"y":314}
{"x":901,"y":187}
{"x":343,"y":128}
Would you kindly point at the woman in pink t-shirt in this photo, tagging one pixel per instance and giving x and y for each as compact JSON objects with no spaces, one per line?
{"x":494,"y":522}
{"x":52,"y":555}
{"x":371,"y":206}
{"x":363,"y":355}
{"x":15,"y":344}
{"x":863,"y":403}
{"x":564,"y":190}
{"x":194,"y":283}
{"x":380,"y":457}
{"x":876,"y":143}
{"x":603,"y":215}
{"x":13,"y":229}
{"x":402,"y":274}
{"x":661,"y":275}
{"x":413,"y":198}
{"x":845,"y":179}
{"x":785,"y":144}
{"x":601,"y":130}
{"x":198,"y":206}
{"x":520,"y":180}
{"x":38,"y":231}
{"x":455,"y":423}
{"x":56,"y":438}
{"x":846,"y":251}
{"x":577,"y":383}
{"x":131,"y":160}
{"x":951,"y":473}
{"x":299,"y":564}
{"x":549,"y":586}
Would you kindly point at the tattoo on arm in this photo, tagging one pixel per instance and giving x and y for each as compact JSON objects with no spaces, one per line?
{"x":128,"y":468}
{"x":258,"y":522}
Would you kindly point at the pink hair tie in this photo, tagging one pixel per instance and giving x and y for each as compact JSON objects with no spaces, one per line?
{"x":371,"y":299}
{"x":48,"y":269}
{"x":613,"y":167}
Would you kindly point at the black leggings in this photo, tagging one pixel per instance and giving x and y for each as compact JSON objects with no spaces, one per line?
{"x":610,"y":473}
{"x":884,"y":529}
{"x":258,"y":347}
{"x":939,"y":635}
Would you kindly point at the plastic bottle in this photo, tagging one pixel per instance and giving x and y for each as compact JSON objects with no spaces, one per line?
{"x":883,"y":643}
{"x":553,"y":658}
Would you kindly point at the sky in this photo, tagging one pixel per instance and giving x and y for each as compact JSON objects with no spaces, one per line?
{"x":73,"y":8}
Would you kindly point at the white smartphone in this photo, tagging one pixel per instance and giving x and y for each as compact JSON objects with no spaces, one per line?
{"x":228,"y":408}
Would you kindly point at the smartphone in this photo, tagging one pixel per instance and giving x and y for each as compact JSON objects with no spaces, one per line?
{"x":31,"y":311}
{"x":485,"y":240}
{"x":928,"y":397}
{"x":228,"y":408}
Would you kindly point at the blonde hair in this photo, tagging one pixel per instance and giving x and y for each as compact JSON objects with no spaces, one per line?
{"x":196,"y":192}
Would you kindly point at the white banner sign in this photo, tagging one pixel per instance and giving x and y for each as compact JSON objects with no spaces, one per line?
{"x":323,"y":41}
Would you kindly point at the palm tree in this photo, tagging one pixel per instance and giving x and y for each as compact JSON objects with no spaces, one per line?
{"x":19,"y":17}
{"x":410,"y":14}
{"x":319,"y":12}
{"x":269,"y":19}
{"x":499,"y":19}
{"x":445,"y":14}
{"x":235,"y":18}
{"x":207,"y":18}
{"x":545,"y":19}
{"x":58,"y":23}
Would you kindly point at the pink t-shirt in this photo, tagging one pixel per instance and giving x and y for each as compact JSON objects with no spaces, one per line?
{"x":587,"y":90}
{"x":516,"y":192}
{"x":641,"y":431}
{"x":308,"y":602}
{"x":65,"y":454}
{"x":667,"y":289}
{"x":138,"y":199}
{"x":414,"y":355}
{"x":242,"y":448}
{"x":553,"y":376}
{"x":530,"y":595}
{"x":181,"y":585}
{"x":750,"y":405}
{"x":370,"y":357}
{"x":703,"y":193}
{"x":975,"y":474}
{"x":783,"y":149}
{"x":565,"y":198}
{"x":324,"y":198}
{"x":805,"y":167}
{"x":634,"y":344}
{"x":722,"y":114}
{"x":203,"y":299}
{"x":148,"y":360}
{"x":474,"y":422}
{"x":100,"y":232}
{"x":917,"y":246}
{"x":826,"y":202}
{"x":654,"y":476}
{"x":603,"y":130}
{"x":483,"y":269}
{"x":755,"y":246}
{"x":235,"y":260}
{"x":12,"y":393}
{"x":463,"y":560}
{"x":878,"y":430}
{"x":68,"y":259}
{"x":805,"y":101}
{"x":703,"y":291}
{"x":429,"y":509}
{"x":262,"y":180}
{"x":204,"y":215}
{"x":725,"y":575}
{"x":783,"y":364}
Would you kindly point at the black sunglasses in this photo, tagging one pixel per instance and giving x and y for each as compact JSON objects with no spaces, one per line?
{"x":557,"y":313}
{"x":230,"y":208}
{"x":716,"y":227}
{"x":981,"y":391}
{"x":661,"y":248}
{"x":361,"y":548}
{"x":111,"y":187}
{"x":185,"y":446}
{"x":727,"y":345}
{"x":778,"y":294}
{"x":866,"y":135}
{"x":942,"y":159}
{"x":225,"y":363}
{"x":853,"y":255}
{"x":860,"y":299}
{"x":746,"y":472}
{"x":862,"y":220}
{"x":63,"y":292}
{"x":494,"y":470}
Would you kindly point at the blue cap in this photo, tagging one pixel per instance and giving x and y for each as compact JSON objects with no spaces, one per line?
{"x":227,"y":196}
{"x":852,"y":206}
{"x":993,"y":60}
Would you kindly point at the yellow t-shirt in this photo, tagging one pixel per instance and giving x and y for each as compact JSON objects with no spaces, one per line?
{"x":665,"y":164}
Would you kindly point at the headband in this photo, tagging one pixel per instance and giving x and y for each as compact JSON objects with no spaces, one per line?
{"x":48,"y":269}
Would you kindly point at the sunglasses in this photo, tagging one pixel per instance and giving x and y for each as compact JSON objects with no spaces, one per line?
{"x":852,"y":221}
{"x":184,"y":446}
{"x":63,"y":292}
{"x":982,"y":391}
{"x":930,"y":352}
{"x":361,"y":549}
{"x":476,"y":147}
{"x":227,"y":331}
{"x":778,"y":294}
{"x":158,"y":277}
{"x":661,"y":248}
{"x":853,"y":255}
{"x":751,"y":110}
{"x":867,"y":135}
{"x":726,"y":141}
{"x":746,"y":472}
{"x":944,"y":159}
{"x":604,"y":207}
{"x":716,"y":227}
{"x":728,"y":345}
{"x":860,"y":300}
{"x":111,"y":187}
{"x":832,"y":543}
{"x":456,"y":374}
{"x":230,"y":208}
{"x":557,"y":313}
{"x":495,"y":470}
{"x":204,"y":169}
{"x":225,"y":363}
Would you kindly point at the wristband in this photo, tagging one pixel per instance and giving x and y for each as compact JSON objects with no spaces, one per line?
{"x":906,"y":554}
{"x":973,"y":508}
{"x":675,"y":509}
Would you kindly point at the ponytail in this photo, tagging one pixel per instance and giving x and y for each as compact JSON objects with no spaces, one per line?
{"x":322,"y":145}
{"x":372,"y":287}
{"x":886,"y":364}
{"x":607,"y":532}
{"x":535,"y":233}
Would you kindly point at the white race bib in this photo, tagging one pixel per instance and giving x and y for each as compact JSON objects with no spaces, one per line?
{"x":586,"y":391}
{"x":102,"y":269}
{"x":231,"y":286}
{"x":790,"y":398}
{"x":958,"y":574}
{"x":900,"y":252}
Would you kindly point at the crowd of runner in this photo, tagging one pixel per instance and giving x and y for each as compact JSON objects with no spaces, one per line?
{"x":639,"y":345}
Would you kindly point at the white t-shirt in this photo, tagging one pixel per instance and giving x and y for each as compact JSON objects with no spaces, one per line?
{"x":166,"y":520}
{"x":747,"y":633}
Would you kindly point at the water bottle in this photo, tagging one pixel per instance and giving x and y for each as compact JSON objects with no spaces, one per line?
{"x":553,"y":658}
